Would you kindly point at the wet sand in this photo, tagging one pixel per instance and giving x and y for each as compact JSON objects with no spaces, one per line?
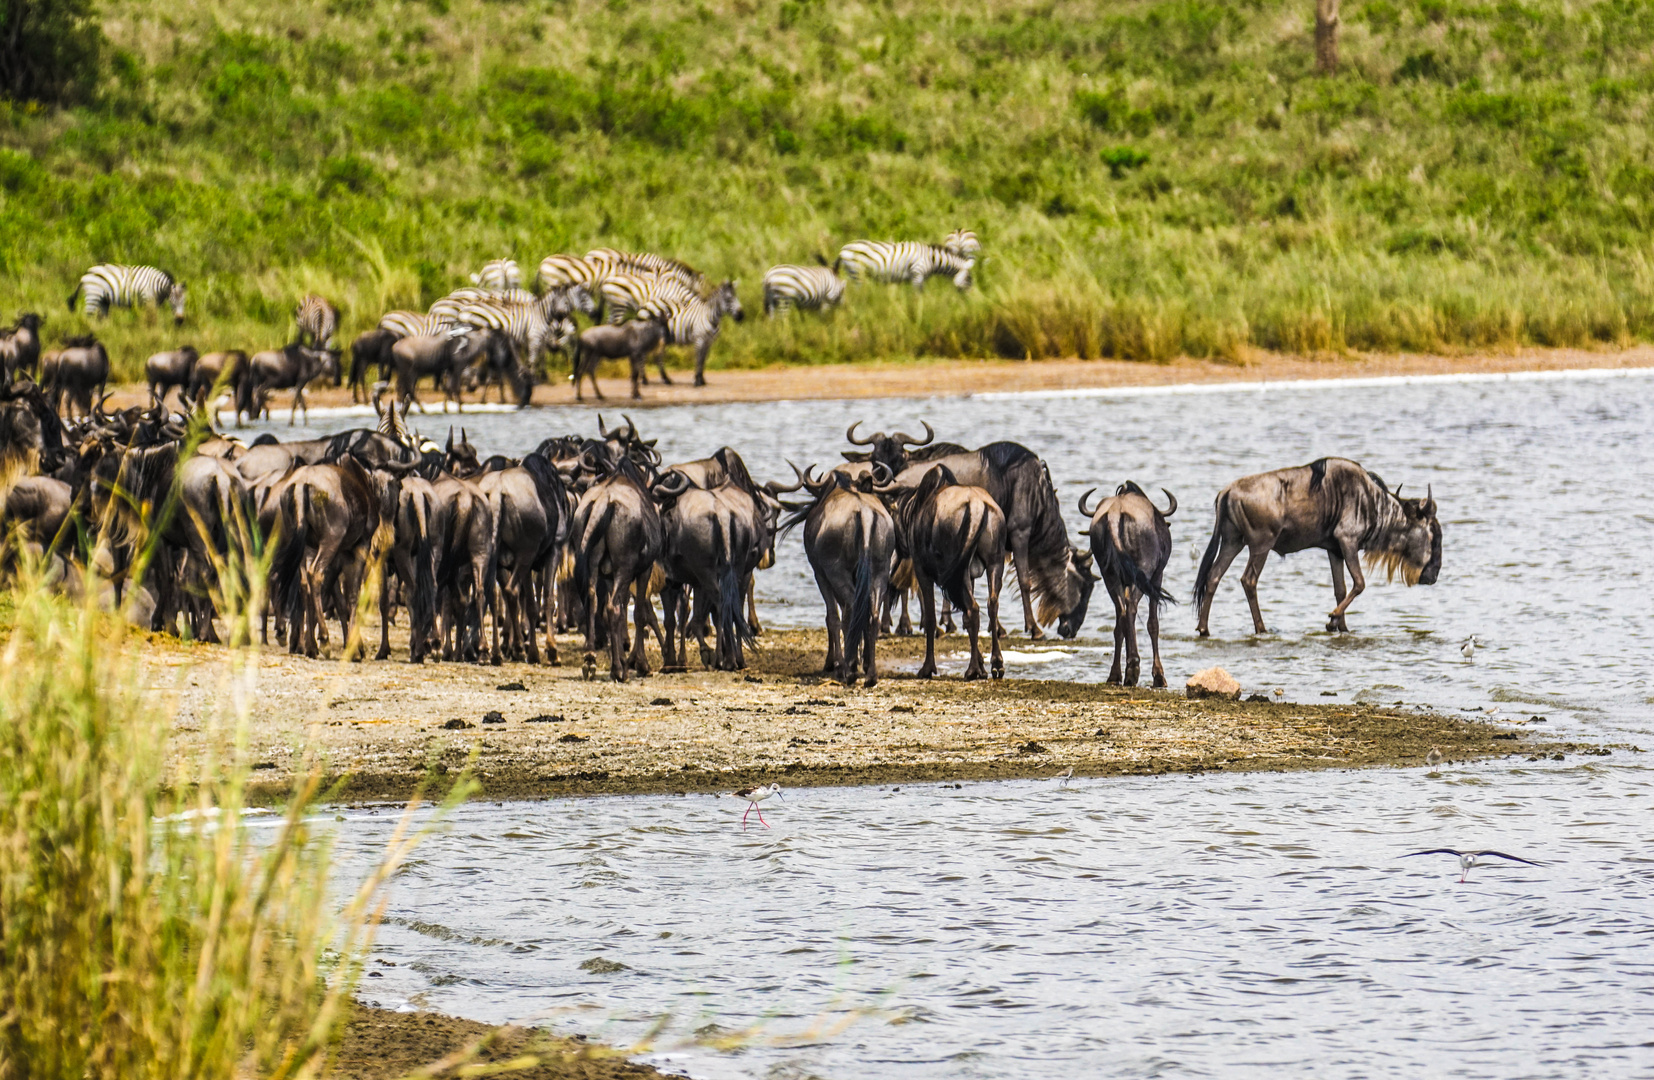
{"x":378,"y":1044}
{"x":543,"y":732}
{"x":958,"y":378}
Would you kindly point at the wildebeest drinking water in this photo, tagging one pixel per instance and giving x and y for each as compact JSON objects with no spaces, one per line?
{"x":1132,"y":542}
{"x":1332,"y":504}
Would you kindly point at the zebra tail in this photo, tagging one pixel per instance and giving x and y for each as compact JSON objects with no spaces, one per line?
{"x":73,"y":297}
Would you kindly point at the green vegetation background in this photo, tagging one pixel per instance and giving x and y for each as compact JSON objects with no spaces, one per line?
{"x":1148,"y":177}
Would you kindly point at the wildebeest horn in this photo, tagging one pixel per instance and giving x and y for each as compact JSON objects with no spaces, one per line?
{"x":1083,"y":498}
{"x":602,"y":431}
{"x":1397,"y":492}
{"x":672,"y":484}
{"x":1429,"y":500}
{"x":930,"y":436}
{"x":631,"y":428}
{"x":1172,"y":499}
{"x":450,"y":438}
{"x":850,"y":433}
{"x":776,"y":487}
{"x":882,"y":476}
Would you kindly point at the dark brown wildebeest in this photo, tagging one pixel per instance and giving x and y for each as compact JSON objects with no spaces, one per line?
{"x":165,"y":370}
{"x":334,"y":511}
{"x":850,"y":540}
{"x":31,"y":433}
{"x":1132,"y":542}
{"x":443,"y":357}
{"x":634,"y":340}
{"x":462,"y":529}
{"x":216,"y":371}
{"x":412,"y":561}
{"x":530,"y":510}
{"x":20,"y":346}
{"x":291,"y":367}
{"x":616,"y":538}
{"x":371,"y":349}
{"x":713,"y":540}
{"x":955,"y":533}
{"x":898,"y":450}
{"x":78,"y":373}
{"x":32,"y":520}
{"x":1332,"y":504}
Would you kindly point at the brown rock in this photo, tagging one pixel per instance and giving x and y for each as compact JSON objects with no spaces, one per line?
{"x":1213,"y":682}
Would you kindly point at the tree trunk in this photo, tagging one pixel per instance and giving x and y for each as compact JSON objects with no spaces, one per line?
{"x":1326,"y":36}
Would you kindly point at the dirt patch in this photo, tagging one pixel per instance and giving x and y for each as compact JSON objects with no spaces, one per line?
{"x":378,"y":1045}
{"x":387,"y":727}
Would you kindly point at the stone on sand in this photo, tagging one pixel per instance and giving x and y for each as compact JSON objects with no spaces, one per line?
{"x":1213,"y":682}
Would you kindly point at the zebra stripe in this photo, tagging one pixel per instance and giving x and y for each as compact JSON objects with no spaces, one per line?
{"x":525,"y":324}
{"x":110,"y":285}
{"x":499,"y":274}
{"x":626,"y":294}
{"x":450,"y":305}
{"x":808,"y":287}
{"x":963,"y":243}
{"x":904,"y":260}
{"x":414,"y":324}
{"x":695,"y":322}
{"x":643,"y":262}
{"x":317,"y":321}
{"x":557,"y":271}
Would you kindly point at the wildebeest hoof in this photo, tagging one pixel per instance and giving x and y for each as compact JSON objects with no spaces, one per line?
{"x":925,"y":672}
{"x":1160,"y":682}
{"x":700,"y":381}
{"x":973,"y":674}
{"x":872,"y":681}
{"x":999,"y":670}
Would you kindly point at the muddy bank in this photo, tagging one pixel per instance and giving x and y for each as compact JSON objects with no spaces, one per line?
{"x":378,"y":1044}
{"x":543,"y":732}
{"x":959,"y":378}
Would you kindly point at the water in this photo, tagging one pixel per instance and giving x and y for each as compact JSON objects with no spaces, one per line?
{"x":1166,"y":926}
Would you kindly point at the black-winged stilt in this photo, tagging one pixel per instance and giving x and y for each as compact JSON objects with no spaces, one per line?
{"x":754,"y":796}
{"x":1467,"y":859}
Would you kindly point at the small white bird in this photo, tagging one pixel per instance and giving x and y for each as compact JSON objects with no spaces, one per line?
{"x":1467,"y":647}
{"x":754,"y":796}
{"x":1065,"y":776}
{"x":1467,"y":859}
{"x":1433,"y":758}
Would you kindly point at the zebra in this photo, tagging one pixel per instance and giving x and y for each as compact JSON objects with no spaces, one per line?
{"x":643,"y":262}
{"x":450,"y":305}
{"x":109,"y":285}
{"x":317,"y":321}
{"x":626,"y":294}
{"x":904,"y":260}
{"x":963,"y":243}
{"x":557,"y":271}
{"x":405,"y":324}
{"x":809,"y":287}
{"x":562,"y":301}
{"x":695,"y":322}
{"x":526,"y":325}
{"x":499,"y":274}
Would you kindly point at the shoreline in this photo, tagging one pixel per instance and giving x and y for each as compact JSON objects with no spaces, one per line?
{"x":539,"y":732}
{"x":376,"y":1043}
{"x":967,"y":378}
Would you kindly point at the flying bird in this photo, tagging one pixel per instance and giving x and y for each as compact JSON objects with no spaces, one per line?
{"x":754,"y":796}
{"x":1467,"y":859}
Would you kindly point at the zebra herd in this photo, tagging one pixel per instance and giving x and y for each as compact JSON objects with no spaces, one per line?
{"x":608,"y":286}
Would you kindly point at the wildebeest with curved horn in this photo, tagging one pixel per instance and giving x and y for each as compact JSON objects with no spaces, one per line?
{"x":1049,"y":576}
{"x":713,"y":539}
{"x":530,"y":509}
{"x":165,"y":370}
{"x":898,"y":450}
{"x":955,"y":533}
{"x":1332,"y":504}
{"x":291,"y":367}
{"x":1132,"y":542}
{"x":335,"y":511}
{"x":616,"y":537}
{"x":850,"y":540}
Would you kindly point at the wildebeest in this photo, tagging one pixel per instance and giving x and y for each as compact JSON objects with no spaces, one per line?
{"x":898,"y":450}
{"x":462,"y":527}
{"x":20,"y":346}
{"x":371,"y":349}
{"x":79,"y":373}
{"x":31,"y":434}
{"x":955,"y":533}
{"x":411,"y":560}
{"x":291,"y":367}
{"x":1049,"y":575}
{"x":634,"y":340}
{"x":334,"y":511}
{"x":1132,"y":542}
{"x":616,"y":538}
{"x":530,"y":511}
{"x":443,"y":357}
{"x":165,"y":370}
{"x":216,"y":371}
{"x":850,"y":540}
{"x":1332,"y":504}
{"x":713,"y":540}
{"x":33,"y":519}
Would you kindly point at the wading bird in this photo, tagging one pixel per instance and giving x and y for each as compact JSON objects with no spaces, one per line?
{"x":1065,"y":776}
{"x":1433,"y":758}
{"x":754,"y":796}
{"x":1467,"y":647}
{"x":1467,"y":859}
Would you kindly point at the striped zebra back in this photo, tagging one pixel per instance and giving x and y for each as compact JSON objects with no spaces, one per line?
{"x":557,"y":271}
{"x":450,"y":305}
{"x":499,"y":274}
{"x":415,"y":324}
{"x":631,"y":293}
{"x":110,"y":285}
{"x":963,"y":243}
{"x":892,"y":261}
{"x":809,"y":287}
{"x":317,"y":320}
{"x":528,"y":327}
{"x":643,"y":262}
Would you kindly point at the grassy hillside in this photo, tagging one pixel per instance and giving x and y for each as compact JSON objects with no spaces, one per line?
{"x":1147,"y":177}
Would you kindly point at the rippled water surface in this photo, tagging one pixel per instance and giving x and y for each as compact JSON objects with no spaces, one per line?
{"x":1168,"y":926}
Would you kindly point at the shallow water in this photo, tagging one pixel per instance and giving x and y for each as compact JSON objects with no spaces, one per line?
{"x":1231,"y":925}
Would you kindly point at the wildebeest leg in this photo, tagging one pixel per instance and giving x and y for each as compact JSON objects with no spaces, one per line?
{"x":996,"y":581}
{"x":1335,"y":622}
{"x":752,"y":608}
{"x":947,"y":616}
{"x":833,"y":628}
{"x":1019,"y":559}
{"x":669,"y":620}
{"x":867,"y":638}
{"x":1113,"y":585}
{"x":1134,"y":661}
{"x":531,"y":615}
{"x":1154,"y":640}
{"x":927,"y":616}
{"x":485,"y":588}
{"x":643,"y":615}
{"x":1255,"y":557}
{"x":614,"y":611}
{"x":1358,"y":582}
{"x":1226,"y":554}
{"x":904,"y":625}
{"x":638,"y":374}
{"x":972,"y":618}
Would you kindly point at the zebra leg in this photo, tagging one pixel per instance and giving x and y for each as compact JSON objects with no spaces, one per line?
{"x":702,"y":348}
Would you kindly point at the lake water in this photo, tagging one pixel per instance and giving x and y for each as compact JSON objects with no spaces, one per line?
{"x":1167,"y":926}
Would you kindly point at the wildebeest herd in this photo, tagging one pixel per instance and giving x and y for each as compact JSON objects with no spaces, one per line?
{"x":482,"y":555}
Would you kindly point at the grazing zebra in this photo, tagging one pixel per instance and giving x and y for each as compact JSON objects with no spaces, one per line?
{"x":695,"y":322}
{"x":809,"y":287}
{"x":557,"y":271}
{"x":499,"y":274}
{"x":625,"y":294}
{"x":642,"y":262}
{"x":407,"y":324}
{"x":904,"y":260}
{"x":108,"y":285}
{"x":963,"y":243}
{"x":317,"y":321}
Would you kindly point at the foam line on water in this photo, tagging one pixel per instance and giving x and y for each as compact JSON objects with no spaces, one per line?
{"x":1331,"y":383}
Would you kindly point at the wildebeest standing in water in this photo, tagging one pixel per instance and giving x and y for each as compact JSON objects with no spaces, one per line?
{"x":1333,"y":504}
{"x":1132,"y":542}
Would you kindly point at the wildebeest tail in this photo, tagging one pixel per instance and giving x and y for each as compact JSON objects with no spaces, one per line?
{"x":731,"y":612}
{"x":1114,"y":559}
{"x":1211,"y":555}
{"x":422,"y":604}
{"x":956,"y":578}
{"x":861,"y":596}
{"x":583,"y":546}
{"x":288,"y":566}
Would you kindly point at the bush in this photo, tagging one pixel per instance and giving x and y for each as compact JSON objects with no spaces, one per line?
{"x":50,"y":51}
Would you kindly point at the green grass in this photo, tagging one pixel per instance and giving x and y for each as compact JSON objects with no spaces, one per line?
{"x":1148,"y":178}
